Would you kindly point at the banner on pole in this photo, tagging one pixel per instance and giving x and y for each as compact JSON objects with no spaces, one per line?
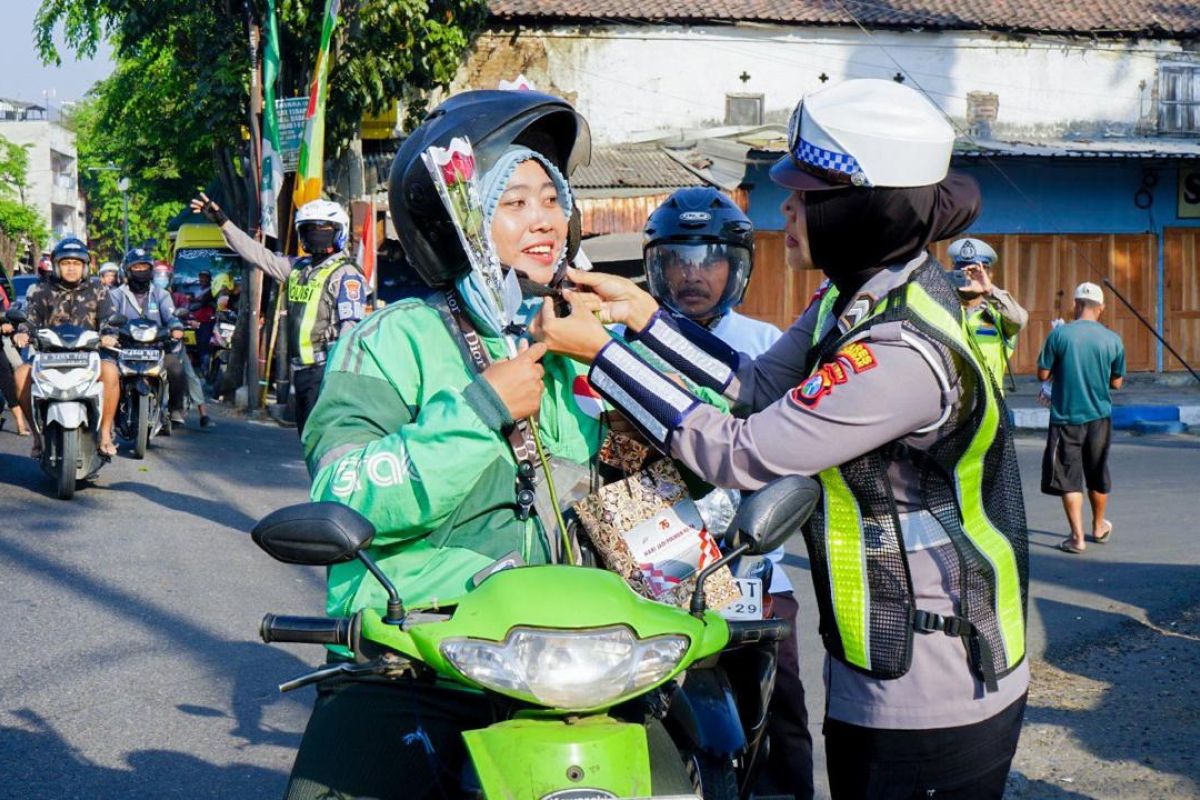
{"x":310,"y":171}
{"x":272,"y":163}
{"x":290,"y":113}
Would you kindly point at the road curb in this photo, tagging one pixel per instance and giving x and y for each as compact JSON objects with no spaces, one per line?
{"x":1123,"y":417}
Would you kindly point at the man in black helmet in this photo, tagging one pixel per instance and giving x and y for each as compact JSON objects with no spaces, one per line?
{"x":68,"y":298}
{"x":699,"y":253}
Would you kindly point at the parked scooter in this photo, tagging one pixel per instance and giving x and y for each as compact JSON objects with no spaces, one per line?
{"x":142,"y":412}
{"x":575,"y":681}
{"x":219,"y":348}
{"x":67,"y":399}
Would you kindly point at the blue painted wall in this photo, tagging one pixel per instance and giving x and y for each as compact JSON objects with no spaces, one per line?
{"x":1059,"y":196}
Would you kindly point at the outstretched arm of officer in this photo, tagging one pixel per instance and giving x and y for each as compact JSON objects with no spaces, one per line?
{"x":871,"y":394}
{"x":750,"y":384}
{"x":277,"y":266}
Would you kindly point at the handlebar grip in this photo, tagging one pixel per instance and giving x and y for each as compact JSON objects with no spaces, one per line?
{"x":306,"y":630}
{"x":754,"y":631}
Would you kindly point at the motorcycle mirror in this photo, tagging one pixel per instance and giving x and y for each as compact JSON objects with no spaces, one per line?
{"x":15,"y":316}
{"x":117,"y":321}
{"x":314,"y":534}
{"x":767,"y":518}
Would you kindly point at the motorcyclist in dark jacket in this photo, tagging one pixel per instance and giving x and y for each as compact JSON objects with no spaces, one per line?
{"x":68,"y":298}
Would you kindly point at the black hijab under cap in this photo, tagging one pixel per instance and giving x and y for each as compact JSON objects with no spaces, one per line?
{"x":855,"y":232}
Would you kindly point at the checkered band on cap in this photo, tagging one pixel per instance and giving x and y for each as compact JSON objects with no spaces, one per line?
{"x":828,"y":164}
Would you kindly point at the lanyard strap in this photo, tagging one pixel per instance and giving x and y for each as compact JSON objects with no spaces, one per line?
{"x":519,"y":436}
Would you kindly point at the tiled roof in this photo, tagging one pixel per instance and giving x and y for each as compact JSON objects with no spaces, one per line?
{"x":1163,"y":17}
{"x":632,"y":168}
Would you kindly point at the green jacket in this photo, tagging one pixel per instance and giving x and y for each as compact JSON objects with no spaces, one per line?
{"x":409,"y":436}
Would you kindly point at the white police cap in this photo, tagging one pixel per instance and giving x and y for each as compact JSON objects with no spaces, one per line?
{"x":865,"y":132}
{"x":972,"y":251}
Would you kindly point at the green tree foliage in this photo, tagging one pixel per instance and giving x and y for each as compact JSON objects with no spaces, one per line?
{"x":21,"y":226}
{"x":175,"y":108}
{"x":148,"y":216}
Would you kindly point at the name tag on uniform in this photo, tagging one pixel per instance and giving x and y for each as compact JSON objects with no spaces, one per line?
{"x":300,"y":293}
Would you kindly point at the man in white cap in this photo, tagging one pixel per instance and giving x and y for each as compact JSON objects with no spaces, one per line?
{"x":994,"y":318}
{"x":918,"y":550}
{"x":1084,"y":360}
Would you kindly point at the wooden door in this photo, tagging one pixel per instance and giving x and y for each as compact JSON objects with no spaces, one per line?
{"x":1041,"y":272}
{"x":1181,"y":257}
{"x":777,"y":294}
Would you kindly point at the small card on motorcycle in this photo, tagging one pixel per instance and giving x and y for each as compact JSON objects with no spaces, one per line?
{"x":148,"y":354}
{"x":647,"y":529}
{"x":64,"y":360}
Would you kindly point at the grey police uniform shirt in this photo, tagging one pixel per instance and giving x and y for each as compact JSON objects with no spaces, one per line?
{"x":894,"y":398}
{"x":345,"y":308}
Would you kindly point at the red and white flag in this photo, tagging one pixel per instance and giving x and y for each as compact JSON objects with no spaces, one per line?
{"x":367,"y":247}
{"x":587,"y":399}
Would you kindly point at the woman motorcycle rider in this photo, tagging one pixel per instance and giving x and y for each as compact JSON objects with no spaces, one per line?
{"x":410,"y":433}
{"x":919,"y":548}
{"x":139,"y":298}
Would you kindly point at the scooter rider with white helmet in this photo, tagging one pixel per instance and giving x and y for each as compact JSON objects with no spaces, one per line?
{"x":326,"y":292}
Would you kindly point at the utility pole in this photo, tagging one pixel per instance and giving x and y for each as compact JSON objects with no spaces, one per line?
{"x":253,"y":277}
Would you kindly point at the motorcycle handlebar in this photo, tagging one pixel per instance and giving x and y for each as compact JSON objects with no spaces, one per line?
{"x":306,"y":630}
{"x":755,"y":631}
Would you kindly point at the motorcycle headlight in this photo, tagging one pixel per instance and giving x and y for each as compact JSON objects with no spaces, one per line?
{"x":145,"y":334}
{"x":567,"y":669}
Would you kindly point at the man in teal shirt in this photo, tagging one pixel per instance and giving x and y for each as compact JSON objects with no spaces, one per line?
{"x":1084,"y":360}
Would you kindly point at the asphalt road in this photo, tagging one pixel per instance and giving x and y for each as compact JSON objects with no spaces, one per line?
{"x":128,"y":615}
{"x":128,"y":618}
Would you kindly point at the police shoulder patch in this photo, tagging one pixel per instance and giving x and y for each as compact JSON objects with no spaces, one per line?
{"x":858,"y":357}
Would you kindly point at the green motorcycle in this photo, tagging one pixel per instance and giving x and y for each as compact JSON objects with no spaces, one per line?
{"x":580,"y":679}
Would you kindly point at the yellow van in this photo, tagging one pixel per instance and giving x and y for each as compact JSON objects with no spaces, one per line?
{"x":198,"y":247}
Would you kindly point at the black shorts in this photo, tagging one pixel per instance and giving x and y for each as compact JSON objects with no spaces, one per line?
{"x":1075,"y":455}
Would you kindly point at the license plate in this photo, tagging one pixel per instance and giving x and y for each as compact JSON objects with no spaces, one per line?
{"x":751,"y":604}
{"x":189,"y":337}
{"x":63,"y":360}
{"x":139,"y":355}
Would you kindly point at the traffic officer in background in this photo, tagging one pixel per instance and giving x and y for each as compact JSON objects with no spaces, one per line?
{"x":918,"y":554}
{"x":326,"y":293}
{"x":698,"y":251}
{"x":994,"y":318}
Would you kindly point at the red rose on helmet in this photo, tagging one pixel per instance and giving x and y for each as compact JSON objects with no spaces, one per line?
{"x":459,"y":168}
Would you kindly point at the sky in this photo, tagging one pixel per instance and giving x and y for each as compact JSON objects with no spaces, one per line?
{"x":22,"y":76}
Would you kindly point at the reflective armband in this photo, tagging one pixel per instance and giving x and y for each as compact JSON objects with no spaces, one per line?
{"x":701,"y":357}
{"x":654,"y":403}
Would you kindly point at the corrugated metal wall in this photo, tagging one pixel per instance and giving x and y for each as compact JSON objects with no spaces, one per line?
{"x":628,"y":214}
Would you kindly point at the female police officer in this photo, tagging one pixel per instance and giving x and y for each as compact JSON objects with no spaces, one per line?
{"x":918,"y":550}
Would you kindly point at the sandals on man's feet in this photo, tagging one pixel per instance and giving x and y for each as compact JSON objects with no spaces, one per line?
{"x":1106,"y":535}
{"x":1067,"y":547}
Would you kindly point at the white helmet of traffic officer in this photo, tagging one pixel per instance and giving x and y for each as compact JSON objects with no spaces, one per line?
{"x":322,"y":226}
